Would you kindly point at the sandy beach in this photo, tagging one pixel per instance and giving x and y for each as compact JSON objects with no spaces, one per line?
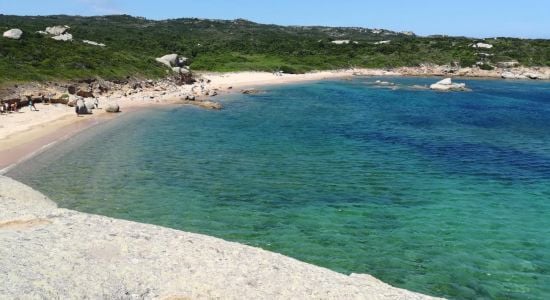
{"x":25,"y":132}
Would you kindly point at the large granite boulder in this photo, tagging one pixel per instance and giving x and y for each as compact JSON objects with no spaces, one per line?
{"x":14,"y":33}
{"x":81,"y":107}
{"x":511,"y":75}
{"x":172,"y":60}
{"x":482,"y":45}
{"x":448,"y":85}
{"x":90,"y":103}
{"x":57,"y":30}
{"x":112,"y":108}
{"x":66,"y":37}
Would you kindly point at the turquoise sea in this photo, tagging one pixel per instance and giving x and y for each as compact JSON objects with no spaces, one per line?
{"x":442,"y":193}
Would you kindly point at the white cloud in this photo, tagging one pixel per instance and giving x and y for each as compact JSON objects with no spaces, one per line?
{"x":102,"y":7}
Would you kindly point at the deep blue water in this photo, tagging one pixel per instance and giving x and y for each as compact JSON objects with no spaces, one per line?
{"x":442,"y":193}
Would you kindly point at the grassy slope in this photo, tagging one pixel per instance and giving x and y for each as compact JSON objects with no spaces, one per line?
{"x":133,"y":43}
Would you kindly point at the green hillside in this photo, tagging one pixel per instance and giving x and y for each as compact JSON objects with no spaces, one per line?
{"x":216,"y":45}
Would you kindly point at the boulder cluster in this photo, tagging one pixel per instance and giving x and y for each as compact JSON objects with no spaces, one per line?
{"x":177,"y":63}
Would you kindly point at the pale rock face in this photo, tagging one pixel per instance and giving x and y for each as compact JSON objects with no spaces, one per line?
{"x":14,"y":33}
{"x":175,"y":62}
{"x":93,"y":43}
{"x":448,"y":85}
{"x":170,"y":60}
{"x":67,"y":37}
{"x":112,"y":108}
{"x":382,"y":42}
{"x":341,"y":42}
{"x":57,"y":30}
{"x":482,"y":45}
{"x":510,"y":75}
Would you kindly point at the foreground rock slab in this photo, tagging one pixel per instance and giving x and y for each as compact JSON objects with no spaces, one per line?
{"x":49,"y":252}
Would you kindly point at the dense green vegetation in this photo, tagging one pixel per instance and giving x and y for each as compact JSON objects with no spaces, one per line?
{"x":215,"y":45}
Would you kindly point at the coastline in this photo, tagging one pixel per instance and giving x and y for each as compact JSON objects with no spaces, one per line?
{"x":26,"y":133}
{"x":46,"y":223}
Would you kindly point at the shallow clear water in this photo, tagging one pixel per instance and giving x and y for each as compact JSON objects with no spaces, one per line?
{"x":442,"y":193}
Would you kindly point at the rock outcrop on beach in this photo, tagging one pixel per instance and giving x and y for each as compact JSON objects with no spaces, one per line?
{"x":112,"y":108}
{"x":448,"y":85}
{"x":82,"y":108}
{"x":13,"y":34}
{"x":47,"y":252}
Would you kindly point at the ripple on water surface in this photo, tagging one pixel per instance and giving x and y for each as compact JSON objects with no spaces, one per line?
{"x":442,"y":193}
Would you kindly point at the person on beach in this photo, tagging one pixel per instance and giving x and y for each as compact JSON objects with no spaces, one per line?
{"x":6,"y":106}
{"x":14,"y":107}
{"x":1,"y":108}
{"x":76,"y":110}
{"x":31,"y":104}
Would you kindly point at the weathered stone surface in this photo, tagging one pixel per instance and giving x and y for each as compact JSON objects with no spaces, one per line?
{"x":112,"y":108}
{"x":49,"y":252}
{"x":57,"y":30}
{"x":93,"y":43}
{"x":14,"y":34}
{"x":209,"y":104}
{"x":66,"y":37}
{"x":482,"y":45}
{"x":82,"y":108}
{"x":511,"y":75}
{"x":447,"y":85}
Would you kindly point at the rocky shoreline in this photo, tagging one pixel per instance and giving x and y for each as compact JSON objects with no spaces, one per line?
{"x":48,"y":252}
{"x":199,"y":89}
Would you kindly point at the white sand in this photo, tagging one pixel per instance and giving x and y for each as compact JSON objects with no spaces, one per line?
{"x":51,"y":253}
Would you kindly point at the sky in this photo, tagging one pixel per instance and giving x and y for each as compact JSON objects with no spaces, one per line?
{"x":472,"y":18}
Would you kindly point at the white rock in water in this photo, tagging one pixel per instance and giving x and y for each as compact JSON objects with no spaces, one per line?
{"x":64,"y":37}
{"x":482,"y":45}
{"x":448,"y":85}
{"x":14,"y":33}
{"x":93,"y":43}
{"x":57,"y":30}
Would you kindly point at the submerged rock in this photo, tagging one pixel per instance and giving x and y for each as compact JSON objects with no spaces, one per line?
{"x":448,"y":85}
{"x":14,"y":34}
{"x":209,"y":105}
